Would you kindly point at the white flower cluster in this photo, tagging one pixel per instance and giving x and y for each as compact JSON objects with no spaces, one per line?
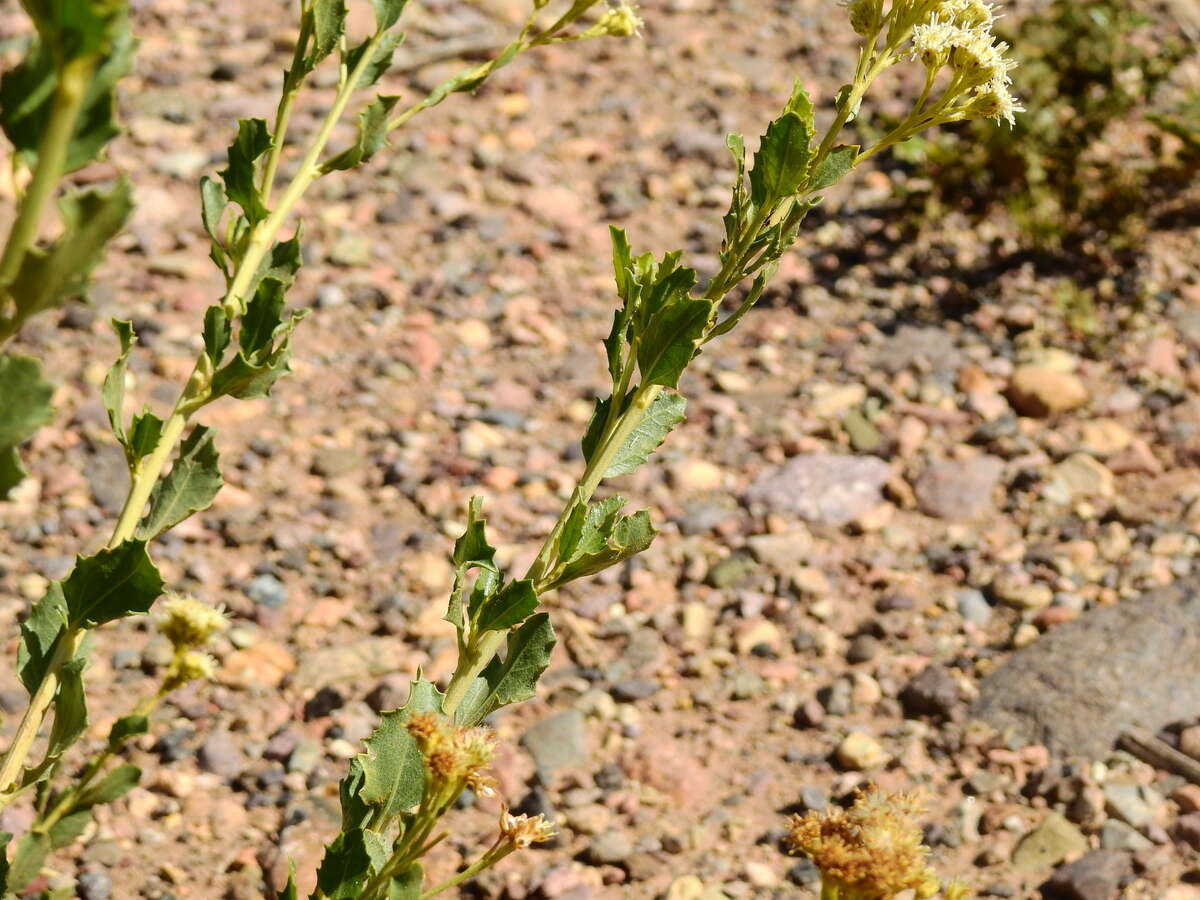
{"x":958,"y":33}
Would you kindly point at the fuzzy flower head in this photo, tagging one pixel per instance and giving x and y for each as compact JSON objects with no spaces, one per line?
{"x":619,"y":21}
{"x":521,"y":831}
{"x":188,"y":623}
{"x":865,"y":16}
{"x":995,"y":101}
{"x":456,"y":757}
{"x":189,"y":665}
{"x":871,"y":851}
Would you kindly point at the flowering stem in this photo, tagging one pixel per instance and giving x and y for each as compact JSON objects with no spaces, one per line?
{"x":496,"y":853}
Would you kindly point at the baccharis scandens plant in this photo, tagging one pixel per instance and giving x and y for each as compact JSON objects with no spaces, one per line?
{"x":874,"y":850}
{"x":398,"y":792}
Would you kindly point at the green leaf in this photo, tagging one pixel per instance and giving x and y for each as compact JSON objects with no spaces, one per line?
{"x":252,"y":141}
{"x":345,"y":868}
{"x":781,"y":163}
{"x":379,"y":848}
{"x":116,"y":784}
{"x":388,"y":12}
{"x":833,"y":167}
{"x":372,"y":135}
{"x":113,"y":391}
{"x":507,"y":607}
{"x":27,"y":860}
{"x":5,"y":840}
{"x":126,"y":728}
{"x":50,"y":275}
{"x":212,"y":206}
{"x":27,"y":96}
{"x":70,"y":709}
{"x":68,"y":829}
{"x":190,"y":486}
{"x":391,"y":769}
{"x":471,"y":551}
{"x":39,"y":633}
{"x":112,"y":584}
{"x":217,"y":333}
{"x":514,"y":678}
{"x":290,"y":891}
{"x":144,"y":433}
{"x":672,"y":339}
{"x":407,"y":885}
{"x":598,"y":536}
{"x":24,"y":407}
{"x":801,"y":104}
{"x":752,"y":297}
{"x":265,"y":339}
{"x":329,"y":24}
{"x":664,"y":414}
{"x":379,"y":63}
{"x":735,"y":219}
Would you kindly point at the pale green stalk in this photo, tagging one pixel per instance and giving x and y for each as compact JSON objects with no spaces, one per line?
{"x":73,"y":82}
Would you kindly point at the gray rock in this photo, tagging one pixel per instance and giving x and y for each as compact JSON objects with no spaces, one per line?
{"x":829,"y":488}
{"x":267,"y":590}
{"x":933,"y":692}
{"x":629,"y":690}
{"x":1134,"y":664}
{"x":559,"y":742}
{"x":221,"y":755}
{"x":908,"y":345}
{"x":93,"y":886}
{"x":1049,"y":844}
{"x":1116,"y":835}
{"x":1094,"y":876}
{"x":610,"y":848}
{"x":973,"y":606}
{"x":959,"y":489}
{"x":1133,"y":804}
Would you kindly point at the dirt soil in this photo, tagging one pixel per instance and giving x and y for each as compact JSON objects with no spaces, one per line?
{"x":459,"y":289}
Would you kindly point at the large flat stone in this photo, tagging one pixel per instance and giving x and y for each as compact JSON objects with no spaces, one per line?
{"x":1134,"y":664}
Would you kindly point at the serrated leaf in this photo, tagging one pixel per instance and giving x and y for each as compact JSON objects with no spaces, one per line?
{"x":514,"y":678}
{"x":27,"y":96}
{"x":664,"y":414}
{"x":290,"y":891}
{"x":372,"y":135}
{"x":284,"y":260}
{"x":217,"y":333}
{"x":113,"y":391}
{"x":602,"y":537}
{"x":407,"y":885}
{"x":144,"y":433}
{"x":126,"y":728}
{"x":671,"y":340}
{"x":27,"y":860}
{"x":24,"y":408}
{"x":735,"y":218}
{"x":265,"y":339}
{"x":68,"y":829}
{"x":39,"y":633}
{"x":190,"y":486}
{"x":329,"y":24}
{"x":345,"y":867}
{"x":391,"y":769}
{"x":252,"y":141}
{"x":378,"y":847}
{"x":831,"y":169}
{"x":116,"y":784}
{"x":112,"y":584}
{"x":387,"y":13}
{"x":471,"y":551}
{"x":50,"y":275}
{"x":507,"y":607}
{"x":781,"y":163}
{"x":801,"y":104}
{"x":380,"y":61}
{"x":752,"y":297}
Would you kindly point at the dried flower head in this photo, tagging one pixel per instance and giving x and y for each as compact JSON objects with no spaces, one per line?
{"x":456,"y":757}
{"x":871,"y":851}
{"x":189,"y":665}
{"x":865,"y":16}
{"x":522,"y":831}
{"x":188,"y":623}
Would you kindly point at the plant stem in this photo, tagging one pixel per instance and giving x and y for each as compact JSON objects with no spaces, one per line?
{"x":18,"y":751}
{"x":486,"y":861}
{"x":293,"y":81}
{"x":73,"y":82}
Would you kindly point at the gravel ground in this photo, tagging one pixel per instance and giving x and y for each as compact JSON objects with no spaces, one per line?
{"x":902,"y":468}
